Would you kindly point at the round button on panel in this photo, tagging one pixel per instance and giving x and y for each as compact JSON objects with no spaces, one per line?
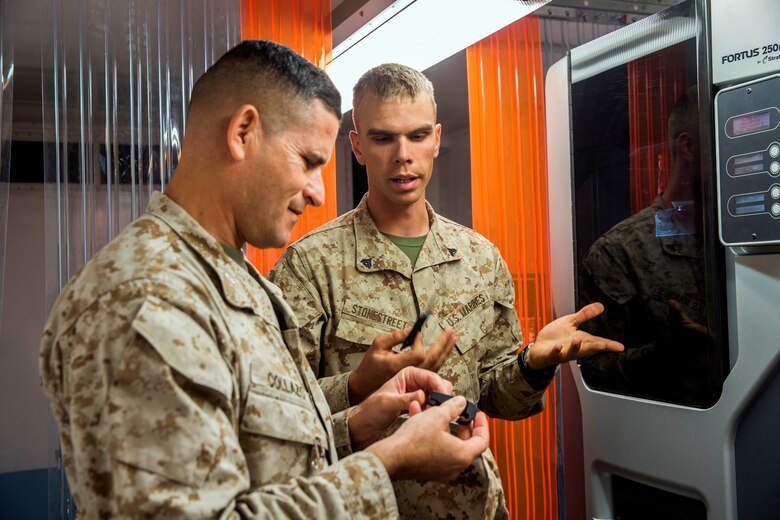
{"x":775,"y":209}
{"x":774,"y":167}
{"x":774,"y":150}
{"x":775,"y":192}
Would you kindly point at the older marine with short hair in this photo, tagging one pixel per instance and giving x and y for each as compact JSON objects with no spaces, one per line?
{"x":174,"y":368}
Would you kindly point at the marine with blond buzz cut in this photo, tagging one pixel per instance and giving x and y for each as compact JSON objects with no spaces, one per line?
{"x":381,"y":265}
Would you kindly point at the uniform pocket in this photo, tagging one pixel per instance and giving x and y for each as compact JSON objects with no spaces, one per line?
{"x":284,"y":418}
{"x":470,"y":325}
{"x":281,"y":437}
{"x":184,"y":345}
{"x":360,"y":323}
{"x":157,"y":422}
{"x":358,"y":332}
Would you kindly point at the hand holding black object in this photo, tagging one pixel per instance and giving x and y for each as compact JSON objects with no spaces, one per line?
{"x":466,"y":416}
{"x":416,"y":328}
{"x":382,"y":361}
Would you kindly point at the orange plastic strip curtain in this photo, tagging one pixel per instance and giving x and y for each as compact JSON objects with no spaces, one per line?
{"x":306,"y":27}
{"x":509,"y":207}
{"x":654,"y":84}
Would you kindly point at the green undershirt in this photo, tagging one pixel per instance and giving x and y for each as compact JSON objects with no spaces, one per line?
{"x":411,"y":246}
{"x":238,"y":256}
{"x":235,"y":254}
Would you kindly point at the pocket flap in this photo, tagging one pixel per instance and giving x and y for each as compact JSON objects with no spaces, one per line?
{"x":470,"y":324}
{"x":267,"y":413}
{"x":360,"y":323}
{"x":184,"y":345}
{"x":358,"y":332}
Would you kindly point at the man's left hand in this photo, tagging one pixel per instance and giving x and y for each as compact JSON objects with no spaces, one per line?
{"x":369,"y":420}
{"x":560,"y":341}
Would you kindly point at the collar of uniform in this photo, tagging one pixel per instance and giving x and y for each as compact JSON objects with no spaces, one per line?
{"x":277,"y":300}
{"x":680,"y":245}
{"x":234,"y":280}
{"x":375,"y":252}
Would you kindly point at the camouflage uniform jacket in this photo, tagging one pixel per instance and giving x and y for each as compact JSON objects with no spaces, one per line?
{"x":348,"y":284}
{"x":178,"y":394}
{"x":635,"y":273}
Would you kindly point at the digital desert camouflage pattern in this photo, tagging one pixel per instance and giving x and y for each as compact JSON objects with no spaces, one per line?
{"x":635,"y":273}
{"x":178,"y":394}
{"x":348,"y":284}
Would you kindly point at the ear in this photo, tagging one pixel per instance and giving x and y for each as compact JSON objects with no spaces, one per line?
{"x":355,"y":140}
{"x":437,"y":135}
{"x":243,"y":124}
{"x":686,"y":147}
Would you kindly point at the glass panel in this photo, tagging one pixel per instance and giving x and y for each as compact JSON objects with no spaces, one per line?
{"x":6,"y":112}
{"x":639,"y":228}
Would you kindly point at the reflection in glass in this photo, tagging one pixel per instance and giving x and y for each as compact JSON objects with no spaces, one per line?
{"x":640,"y":251}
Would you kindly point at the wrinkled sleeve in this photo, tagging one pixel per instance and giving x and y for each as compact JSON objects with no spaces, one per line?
{"x":341,"y":433}
{"x":604,"y":278}
{"x":164,"y":443}
{"x":293,"y":277}
{"x":504,"y":392}
{"x":354,"y":481}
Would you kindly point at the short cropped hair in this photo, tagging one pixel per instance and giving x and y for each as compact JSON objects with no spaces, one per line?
{"x":391,"y":81}
{"x":269,"y":76}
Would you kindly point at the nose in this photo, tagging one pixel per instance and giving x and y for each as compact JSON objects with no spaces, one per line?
{"x":403,"y":152}
{"x":314,"y":191}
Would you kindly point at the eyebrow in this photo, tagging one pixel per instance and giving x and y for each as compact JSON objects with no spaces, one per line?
{"x":379,"y":131}
{"x":316,"y":159}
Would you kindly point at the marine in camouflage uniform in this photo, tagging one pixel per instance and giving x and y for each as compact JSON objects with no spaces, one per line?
{"x":180,"y":389}
{"x":635,"y":274}
{"x":348,"y":283}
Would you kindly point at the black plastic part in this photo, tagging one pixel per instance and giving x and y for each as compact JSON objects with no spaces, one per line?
{"x":418,"y":325}
{"x":466,"y":416}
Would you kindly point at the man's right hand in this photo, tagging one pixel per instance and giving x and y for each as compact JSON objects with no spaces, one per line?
{"x":380,"y":363}
{"x":423,"y":448}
